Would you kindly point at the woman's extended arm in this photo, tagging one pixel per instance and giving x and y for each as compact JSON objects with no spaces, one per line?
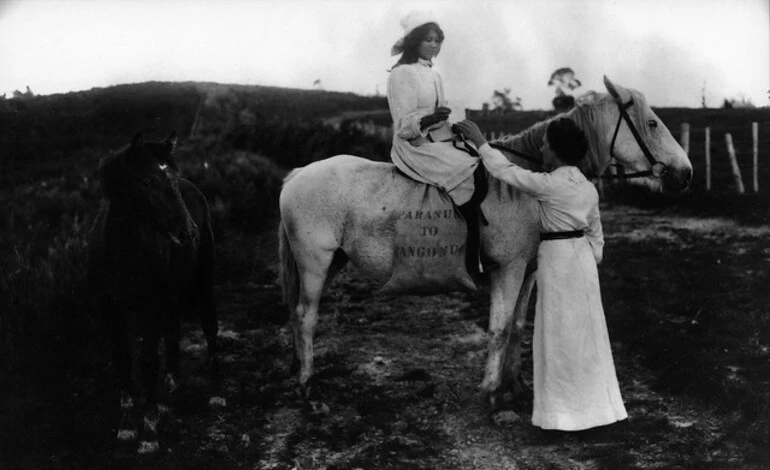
{"x":536,"y":184}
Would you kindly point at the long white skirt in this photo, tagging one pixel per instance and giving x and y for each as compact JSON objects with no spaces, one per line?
{"x":439,"y":164}
{"x":575,"y":385}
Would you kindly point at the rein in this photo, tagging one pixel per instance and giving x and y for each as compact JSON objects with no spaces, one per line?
{"x":515,"y":152}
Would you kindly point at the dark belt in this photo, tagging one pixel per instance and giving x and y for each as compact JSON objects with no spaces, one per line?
{"x":561,"y":235}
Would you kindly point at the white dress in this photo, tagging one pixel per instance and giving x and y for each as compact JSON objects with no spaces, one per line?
{"x":414,"y":91}
{"x":575,"y":385}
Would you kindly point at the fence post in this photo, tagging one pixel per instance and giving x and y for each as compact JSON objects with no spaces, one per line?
{"x":684,"y":139}
{"x":755,"y":151}
{"x":708,"y":159}
{"x":734,"y":163}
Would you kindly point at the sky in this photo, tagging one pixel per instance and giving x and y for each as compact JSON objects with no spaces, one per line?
{"x":673,"y":51}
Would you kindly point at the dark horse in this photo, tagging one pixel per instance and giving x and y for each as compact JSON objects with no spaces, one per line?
{"x":151,"y":253}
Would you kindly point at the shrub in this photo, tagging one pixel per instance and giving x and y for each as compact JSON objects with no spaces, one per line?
{"x":43,"y":297}
{"x":242,"y":187}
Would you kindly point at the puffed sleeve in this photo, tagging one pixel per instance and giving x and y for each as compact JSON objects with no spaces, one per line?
{"x":536,"y":184}
{"x":594,"y":232}
{"x":403,"y":94}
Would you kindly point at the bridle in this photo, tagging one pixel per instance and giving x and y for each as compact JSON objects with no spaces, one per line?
{"x":657,"y":169}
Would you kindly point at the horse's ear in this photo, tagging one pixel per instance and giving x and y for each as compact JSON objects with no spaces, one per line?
{"x":137,"y":140}
{"x":167,"y":157}
{"x":171,"y":141}
{"x":611,"y":88}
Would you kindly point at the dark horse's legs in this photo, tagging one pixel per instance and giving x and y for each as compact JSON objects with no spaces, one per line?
{"x":210,"y":329}
{"x":171,"y":341}
{"x":207,"y":308}
{"x":152,"y":322}
{"x":150,"y":361}
{"x":115,"y":321}
{"x":119,"y":335}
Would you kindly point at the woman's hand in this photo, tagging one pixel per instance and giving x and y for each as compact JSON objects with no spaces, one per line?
{"x":471,"y":132}
{"x":440,"y":114}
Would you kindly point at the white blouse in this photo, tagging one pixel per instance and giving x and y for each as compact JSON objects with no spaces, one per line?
{"x":568,"y":201}
{"x":414,"y":91}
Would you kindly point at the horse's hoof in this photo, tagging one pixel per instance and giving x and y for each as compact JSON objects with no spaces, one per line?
{"x":217,"y":402}
{"x":171,"y":385}
{"x":126,"y":435}
{"x":126,"y":402}
{"x":151,"y":420}
{"x":505,"y":418}
{"x":148,"y":447}
{"x":304,"y":391}
{"x":494,"y":401}
{"x":319,"y":408}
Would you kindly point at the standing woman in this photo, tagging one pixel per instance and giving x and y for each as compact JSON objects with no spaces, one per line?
{"x":574,"y":375}
{"x":422,"y":147}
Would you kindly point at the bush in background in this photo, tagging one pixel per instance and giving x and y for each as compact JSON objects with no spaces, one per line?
{"x":293,"y":144}
{"x":44,"y":245}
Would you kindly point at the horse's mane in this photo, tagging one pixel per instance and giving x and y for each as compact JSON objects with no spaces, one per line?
{"x":526,"y":142}
{"x":585,"y":115}
{"x":530,"y":140}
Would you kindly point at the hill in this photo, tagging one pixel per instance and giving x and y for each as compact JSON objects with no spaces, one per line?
{"x":48,"y":136}
{"x":43,"y":135}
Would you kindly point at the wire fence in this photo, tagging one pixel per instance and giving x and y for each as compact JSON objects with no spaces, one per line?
{"x":723,"y":159}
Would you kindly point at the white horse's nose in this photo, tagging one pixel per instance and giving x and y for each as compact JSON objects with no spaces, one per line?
{"x":687,"y":176}
{"x":677,"y":179}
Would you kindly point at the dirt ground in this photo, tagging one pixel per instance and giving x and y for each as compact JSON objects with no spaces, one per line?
{"x":396,"y":377}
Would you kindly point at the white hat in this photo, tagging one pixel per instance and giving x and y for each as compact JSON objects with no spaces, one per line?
{"x":410,"y":22}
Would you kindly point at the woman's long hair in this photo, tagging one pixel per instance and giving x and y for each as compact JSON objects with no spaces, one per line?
{"x":412,"y":42}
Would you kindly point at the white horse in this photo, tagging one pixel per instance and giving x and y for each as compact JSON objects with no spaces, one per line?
{"x":342,"y":209}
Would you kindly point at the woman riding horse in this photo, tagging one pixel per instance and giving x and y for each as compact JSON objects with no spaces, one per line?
{"x":422,"y":139}
{"x":326,"y":221}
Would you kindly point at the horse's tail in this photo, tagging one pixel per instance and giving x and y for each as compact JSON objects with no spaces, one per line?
{"x":289,"y":273}
{"x":289,"y":277}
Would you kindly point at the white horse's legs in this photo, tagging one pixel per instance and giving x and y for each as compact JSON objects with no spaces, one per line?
{"x":312,"y":275}
{"x":512,"y":371}
{"x":505,"y":287}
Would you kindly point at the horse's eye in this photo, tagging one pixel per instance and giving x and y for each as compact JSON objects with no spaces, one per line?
{"x":652,"y":123}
